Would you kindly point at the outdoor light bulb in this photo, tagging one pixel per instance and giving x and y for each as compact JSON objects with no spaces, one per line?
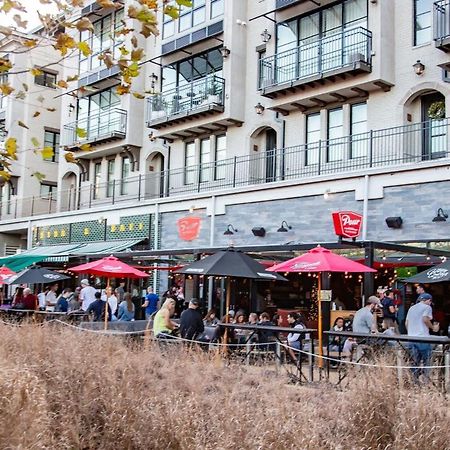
{"x":326,"y":194}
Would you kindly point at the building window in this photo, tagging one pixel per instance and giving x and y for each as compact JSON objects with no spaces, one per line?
{"x":216,"y":8}
{"x":335,"y":134}
{"x":51,"y":139}
{"x":48,"y":190}
{"x":189,"y":163}
{"x":422,"y":21}
{"x":3,"y":131}
{"x":125,"y":173}
{"x":312,"y":138}
{"x":110,"y":178}
{"x":97,"y":179}
{"x":5,"y":197}
{"x":205,"y":155}
{"x":192,"y":16}
{"x":221,"y":155}
{"x":358,"y":130}
{"x":46,"y":79}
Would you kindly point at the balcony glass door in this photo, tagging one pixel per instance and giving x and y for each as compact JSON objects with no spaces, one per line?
{"x":271,"y":155}
{"x":434,"y":132}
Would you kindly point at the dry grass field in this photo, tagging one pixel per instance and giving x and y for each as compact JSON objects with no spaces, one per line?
{"x":62,"y":389}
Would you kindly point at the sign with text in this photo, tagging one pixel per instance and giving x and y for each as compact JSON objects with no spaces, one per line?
{"x":189,"y":228}
{"x":347,"y":224}
{"x":325,"y":295}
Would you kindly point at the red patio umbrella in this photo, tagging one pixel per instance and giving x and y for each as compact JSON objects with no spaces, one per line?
{"x":109,"y":266}
{"x":318,"y":260}
{"x":5,"y":272}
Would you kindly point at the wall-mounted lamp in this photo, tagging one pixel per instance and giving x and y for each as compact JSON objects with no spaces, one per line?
{"x":259,"y":109}
{"x":230,"y":230}
{"x":419,"y":68}
{"x":284,"y":227}
{"x":151,"y":137}
{"x":225,"y":51}
{"x":259,"y":231}
{"x":394,"y":222}
{"x":153,"y":80}
{"x":441,"y":216}
{"x":71,"y":108}
{"x":266,"y":36}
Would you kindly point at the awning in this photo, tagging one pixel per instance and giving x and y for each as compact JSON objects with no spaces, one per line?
{"x":61,"y":253}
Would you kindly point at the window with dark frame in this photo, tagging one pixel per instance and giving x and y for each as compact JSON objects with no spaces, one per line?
{"x":47,"y":190}
{"x":358,"y":130}
{"x":46,"y":79}
{"x":312,"y":138}
{"x":51,"y":139}
{"x":220,"y":157}
{"x":97,"y":179}
{"x":422,"y":21}
{"x":125,"y":173}
{"x":335,"y":134}
{"x":110,"y":178}
{"x":205,"y":159}
{"x":189,"y":163}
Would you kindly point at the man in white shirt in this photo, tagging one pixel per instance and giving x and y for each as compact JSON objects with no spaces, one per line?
{"x":50,"y":298}
{"x":41,"y":299}
{"x":419,"y":323}
{"x":87,"y":294}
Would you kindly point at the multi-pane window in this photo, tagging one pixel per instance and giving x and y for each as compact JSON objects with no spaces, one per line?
{"x":312,"y":138}
{"x":335,"y":134}
{"x":189,"y":163}
{"x":47,"y":190}
{"x":125,"y":173}
{"x":422,"y":21}
{"x":110,"y":178}
{"x":51,"y":139}
{"x":97,"y":179}
{"x":46,"y":79}
{"x":205,"y":155}
{"x":221,"y":155}
{"x":216,"y":8}
{"x":192,"y":16}
{"x":358,"y":130}
{"x":3,"y":132}
{"x":5,"y":197}
{"x":103,"y":38}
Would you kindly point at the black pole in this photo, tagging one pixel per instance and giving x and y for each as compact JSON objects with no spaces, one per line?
{"x":369,"y":279}
{"x":326,"y":306}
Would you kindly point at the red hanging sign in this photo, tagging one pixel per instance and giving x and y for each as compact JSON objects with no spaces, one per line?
{"x":347,"y":223}
{"x":189,"y":228}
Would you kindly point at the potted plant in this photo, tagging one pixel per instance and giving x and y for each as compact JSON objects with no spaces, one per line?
{"x":158,"y":107}
{"x":437,"y":110}
{"x":213,"y":91}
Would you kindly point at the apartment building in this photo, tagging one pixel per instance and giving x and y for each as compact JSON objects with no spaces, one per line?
{"x":31,"y":115}
{"x":260,"y":119}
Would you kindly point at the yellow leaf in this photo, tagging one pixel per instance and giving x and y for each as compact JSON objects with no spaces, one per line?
{"x":187,"y":3}
{"x":124,"y":31}
{"x":36,"y":114}
{"x":5,"y":175}
{"x":138,"y":95}
{"x":123,"y":51}
{"x":84,"y":48}
{"x":20,"y":23}
{"x":69,"y":157}
{"x":39,"y":176}
{"x":47,"y":152}
{"x":35,"y":142}
{"x":6,"y":89}
{"x":72,"y":78}
{"x":5,"y":65}
{"x":30,"y":43}
{"x":148,"y":30}
{"x":21,"y":124}
{"x":106,"y":3}
{"x":85,"y":147}
{"x":36,"y":72}
{"x":121,"y":89}
{"x":81,"y":132}
{"x":11,"y":147}
{"x":63,"y":43}
{"x":171,"y":11}
{"x":84,"y":24}
{"x":77,"y":3}
{"x":137,"y":55}
{"x":62,"y":84}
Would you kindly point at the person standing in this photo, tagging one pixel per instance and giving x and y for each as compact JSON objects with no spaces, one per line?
{"x":365,"y":320}
{"x":389,"y":311}
{"x":41,"y":299}
{"x":120,"y":291}
{"x":420,"y":289}
{"x":87,"y":294}
{"x":29,"y":300}
{"x":62,"y":304}
{"x":112,"y":300}
{"x":419,"y":323}
{"x":126,"y":309}
{"x":98,"y":308}
{"x":50,"y":298}
{"x":151,"y":303}
{"x":191,"y":323}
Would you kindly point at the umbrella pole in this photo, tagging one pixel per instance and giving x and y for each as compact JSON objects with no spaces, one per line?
{"x":106,"y":305}
{"x":319,"y":307}
{"x":227,"y":309}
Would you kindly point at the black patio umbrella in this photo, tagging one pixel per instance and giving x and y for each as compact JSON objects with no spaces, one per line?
{"x":436,"y":274}
{"x":230,"y":263}
{"x":36,"y":275}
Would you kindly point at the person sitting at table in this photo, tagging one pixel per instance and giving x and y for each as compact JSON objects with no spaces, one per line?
{"x":29,"y":300}
{"x":126,"y":308}
{"x":211,"y":319}
{"x":265,"y":336}
{"x":163,"y":327}
{"x":294,"y":340}
{"x":241,"y":335}
{"x":253,"y":319}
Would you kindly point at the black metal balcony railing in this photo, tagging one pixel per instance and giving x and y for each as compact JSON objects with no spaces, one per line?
{"x":412,"y":144}
{"x":187,"y":99}
{"x":110,"y":123}
{"x":441,"y":21}
{"x":315,"y":58}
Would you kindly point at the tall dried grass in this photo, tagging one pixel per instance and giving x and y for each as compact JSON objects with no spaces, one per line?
{"x":62,"y":389}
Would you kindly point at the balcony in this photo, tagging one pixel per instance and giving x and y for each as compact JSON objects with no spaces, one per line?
{"x":410,"y":147}
{"x":106,"y":126}
{"x":198,"y":98}
{"x":442,"y":25}
{"x":344,"y":53}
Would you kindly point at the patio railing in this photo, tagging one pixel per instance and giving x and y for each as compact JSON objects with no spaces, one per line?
{"x":441,"y":20}
{"x":412,"y":144}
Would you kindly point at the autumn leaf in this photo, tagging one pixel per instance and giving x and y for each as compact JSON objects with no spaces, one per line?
{"x":51,"y":109}
{"x":35,"y":142}
{"x":5,"y":175}
{"x":137,"y":55}
{"x":81,"y":132}
{"x":171,"y":11}
{"x":25,"y":87}
{"x":187,"y":3}
{"x":69,"y":157}
{"x":85,"y":147}
{"x":20,"y":95}
{"x":134,"y":41}
{"x":122,"y":89}
{"x":45,"y":2}
{"x":5,"y":65}
{"x":148,"y":30}
{"x":123,"y":51}
{"x":35,"y":71}
{"x":124,"y":31}
{"x":72,"y":78}
{"x":77,"y":3}
{"x":84,"y":24}
{"x":62,"y":84}
{"x":5,"y":30}
{"x":11,"y":147}
{"x":20,"y":23}
{"x":40,"y":99}
{"x":21,"y":124}
{"x":152,"y":4}
{"x":106,"y":3}
{"x":84,"y":48}
{"x":47,"y":152}
{"x":39,"y":176}
{"x":6,"y":89}
{"x":138,"y":95}
{"x":30,"y":43}
{"x":106,"y":57}
{"x":64,"y":42}
{"x":36,"y":114}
